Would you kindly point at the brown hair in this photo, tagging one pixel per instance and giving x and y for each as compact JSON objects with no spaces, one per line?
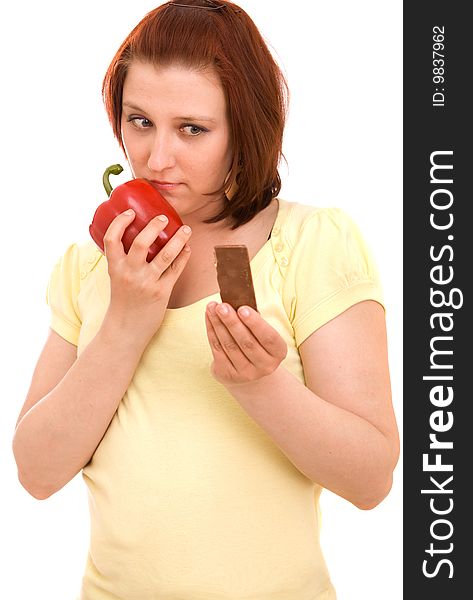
{"x":224,"y":38}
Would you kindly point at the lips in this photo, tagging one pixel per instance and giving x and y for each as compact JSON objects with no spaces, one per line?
{"x":164,"y":185}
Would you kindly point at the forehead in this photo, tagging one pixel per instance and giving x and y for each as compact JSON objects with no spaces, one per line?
{"x":174,"y":86}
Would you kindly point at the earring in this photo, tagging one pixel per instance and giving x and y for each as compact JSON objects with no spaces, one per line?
{"x":232,"y":190}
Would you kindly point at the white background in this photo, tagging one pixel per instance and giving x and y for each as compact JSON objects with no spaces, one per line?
{"x":343,"y":146}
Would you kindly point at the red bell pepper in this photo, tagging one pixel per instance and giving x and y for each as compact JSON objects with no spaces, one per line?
{"x":145,"y":200}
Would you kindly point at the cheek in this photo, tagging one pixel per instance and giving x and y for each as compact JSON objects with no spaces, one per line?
{"x":213,"y":170}
{"x":201,"y":162}
{"x":132,"y":141}
{"x":127,"y":146}
{"x":135,"y":151}
{"x":219,"y":158}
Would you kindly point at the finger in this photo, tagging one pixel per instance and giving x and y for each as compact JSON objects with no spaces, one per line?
{"x":172,"y":273}
{"x":139,"y":248}
{"x":215,"y":345}
{"x":112,"y":239}
{"x":228,"y":344}
{"x":266,"y":335}
{"x":218,"y":352}
{"x":248,"y":344}
{"x":167,"y":256}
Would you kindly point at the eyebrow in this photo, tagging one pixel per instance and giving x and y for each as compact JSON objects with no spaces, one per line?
{"x":182,"y":118}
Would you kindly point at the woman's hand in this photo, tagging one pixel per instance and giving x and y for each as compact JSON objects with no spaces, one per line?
{"x":140,"y":290}
{"x":245,"y":348}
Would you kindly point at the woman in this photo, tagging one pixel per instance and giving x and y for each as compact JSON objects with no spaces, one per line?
{"x":206,"y":435}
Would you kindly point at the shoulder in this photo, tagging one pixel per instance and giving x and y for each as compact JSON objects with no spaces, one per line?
{"x":79,"y":257}
{"x":328,"y":266}
{"x":325,"y":245}
{"x":299,"y":214}
{"x":81,"y":250}
{"x":300,"y":221}
{"x":89,"y":256}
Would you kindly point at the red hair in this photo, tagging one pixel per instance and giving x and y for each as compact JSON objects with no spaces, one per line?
{"x":226,"y":40}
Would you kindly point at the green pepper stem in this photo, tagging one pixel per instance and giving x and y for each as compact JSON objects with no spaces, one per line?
{"x":113,"y":170}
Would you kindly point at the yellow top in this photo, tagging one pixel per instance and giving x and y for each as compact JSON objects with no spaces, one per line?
{"x":189,"y":498}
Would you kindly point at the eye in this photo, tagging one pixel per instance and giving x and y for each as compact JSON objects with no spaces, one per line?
{"x":140,"y":122}
{"x":193,"y":130}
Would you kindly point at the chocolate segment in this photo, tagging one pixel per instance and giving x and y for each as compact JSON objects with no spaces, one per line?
{"x":234,"y":276}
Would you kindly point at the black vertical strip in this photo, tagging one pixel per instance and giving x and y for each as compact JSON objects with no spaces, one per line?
{"x":438,"y":332}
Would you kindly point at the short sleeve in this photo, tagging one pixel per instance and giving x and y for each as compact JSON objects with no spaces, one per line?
{"x":331,"y":269}
{"x":62,"y":294}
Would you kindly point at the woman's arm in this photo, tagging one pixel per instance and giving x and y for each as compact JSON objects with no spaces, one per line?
{"x":339,"y":429}
{"x":69,"y":406}
{"x":71,"y":401}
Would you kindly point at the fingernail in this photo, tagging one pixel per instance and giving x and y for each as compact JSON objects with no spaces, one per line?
{"x":163,"y":218}
{"x":222,"y":309}
{"x":186,"y":229}
{"x":129,"y":212}
{"x":244,"y":312}
{"x":211,"y":307}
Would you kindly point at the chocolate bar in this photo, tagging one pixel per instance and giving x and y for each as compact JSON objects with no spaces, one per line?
{"x":234,"y":276}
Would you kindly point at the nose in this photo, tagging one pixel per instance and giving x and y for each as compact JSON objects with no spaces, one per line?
{"x":162,"y":153}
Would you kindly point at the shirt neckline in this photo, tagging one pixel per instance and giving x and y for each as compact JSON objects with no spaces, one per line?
{"x":256,"y":263}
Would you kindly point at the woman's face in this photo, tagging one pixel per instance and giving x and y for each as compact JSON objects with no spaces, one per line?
{"x":176,"y":134}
